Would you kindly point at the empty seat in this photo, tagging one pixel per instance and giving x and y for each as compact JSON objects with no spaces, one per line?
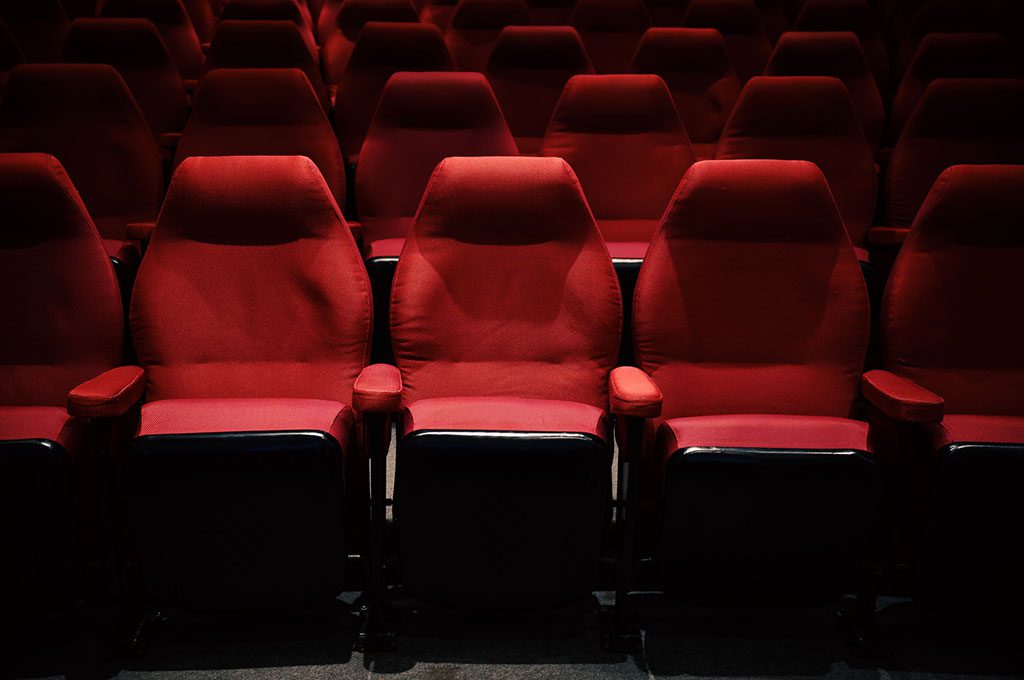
{"x":808,"y":118}
{"x":85,"y":115}
{"x":10,"y":56}
{"x":954,"y":378}
{"x":527,"y":70}
{"x":201,"y":14}
{"x":475,"y":26}
{"x":623,"y":138}
{"x":265,"y":44}
{"x":172,"y":20}
{"x":38,"y":26}
{"x":836,"y":54}
{"x":956,"y":122}
{"x":550,"y":12}
{"x":135,"y":49}
{"x":945,"y":16}
{"x":262,"y":112}
{"x":351,"y":17}
{"x":610,"y":30}
{"x":855,"y":16}
{"x":751,"y":316}
{"x":293,"y":11}
{"x":740,"y":24}
{"x":382,"y":50}
{"x":505,"y":322}
{"x":438,"y":12}
{"x":695,"y":65}
{"x":326,"y":20}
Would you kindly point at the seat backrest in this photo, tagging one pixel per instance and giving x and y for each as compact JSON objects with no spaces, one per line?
{"x":855,"y":16}
{"x":85,"y":115}
{"x":837,"y":54}
{"x":695,"y":65}
{"x":59,"y":303}
{"x":750,"y":299}
{"x":255,"y":43}
{"x":624,"y":140}
{"x":203,"y":19}
{"x":38,"y":26}
{"x":773,"y":18}
{"x":262,"y":112}
{"x":808,"y":118}
{"x":438,"y":12}
{"x":611,"y":30}
{"x":740,"y":24}
{"x":136,"y":50}
{"x":527,"y":70}
{"x":276,"y":302}
{"x":957,"y":122}
{"x":950,"y":315}
{"x":293,"y":11}
{"x":474,"y":28}
{"x":382,"y":49}
{"x":505,"y":287}
{"x":945,"y":16}
{"x":172,"y":20}
{"x":422,"y":119}
{"x":550,"y":12}
{"x":352,"y":15}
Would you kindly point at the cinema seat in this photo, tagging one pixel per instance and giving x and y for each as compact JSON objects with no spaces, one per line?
{"x":610,"y":30}
{"x":62,"y":318}
{"x":292,"y":11}
{"x":352,"y":15}
{"x":172,"y":20}
{"x":438,"y":12}
{"x":739,"y":22}
{"x":944,"y":16}
{"x":952,"y":392}
{"x":695,"y":65}
{"x":262,"y":112}
{"x":474,"y":28}
{"x":201,"y":14}
{"x":10,"y":56}
{"x":773,"y":18}
{"x":751,"y":318}
{"x":808,"y":118}
{"x":38,"y":26}
{"x":245,"y":487}
{"x":854,"y":16}
{"x":136,"y":50}
{"x":528,"y":69}
{"x":505,"y":323}
{"x":382,"y":50}
{"x":550,"y":12}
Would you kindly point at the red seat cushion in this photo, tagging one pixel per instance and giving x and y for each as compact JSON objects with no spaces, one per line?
{"x":505,"y":414}
{"x":51,"y":423}
{"x":970,"y":429}
{"x":388,"y":247}
{"x":741,"y":27}
{"x":175,"y":25}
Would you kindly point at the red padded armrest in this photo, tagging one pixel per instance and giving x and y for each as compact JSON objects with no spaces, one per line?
{"x":631,"y":392}
{"x":109,"y":394}
{"x":901,"y":399}
{"x":378,"y":389}
{"x":887,"y":236}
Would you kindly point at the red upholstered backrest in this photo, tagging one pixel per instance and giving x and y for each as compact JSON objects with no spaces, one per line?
{"x":199,"y":11}
{"x":837,"y":54}
{"x":382,"y":50}
{"x":136,"y":50}
{"x":252,"y":286}
{"x":474,"y":28}
{"x":352,"y":16}
{"x":423,"y":118}
{"x":807,"y":118}
{"x":528,"y":68}
{"x":505,"y":287}
{"x":60,"y":309}
{"x":623,"y":138}
{"x":611,"y":30}
{"x":175,"y":26}
{"x":951,"y":316}
{"x":855,"y":16}
{"x":39,"y":26}
{"x":740,"y":24}
{"x":945,"y":16}
{"x":85,"y":116}
{"x":957,"y":121}
{"x":695,"y":65}
{"x":262,"y":112}
{"x":750,"y":299}
{"x":293,"y":11}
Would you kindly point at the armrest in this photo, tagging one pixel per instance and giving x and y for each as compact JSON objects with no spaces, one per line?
{"x":140,"y":231}
{"x":378,"y":389}
{"x":901,"y":399}
{"x":631,"y":392}
{"x":109,"y":394}
{"x":887,"y":236}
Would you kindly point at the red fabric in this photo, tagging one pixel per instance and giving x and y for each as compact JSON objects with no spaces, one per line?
{"x":388,"y":247}
{"x":39,"y":26}
{"x":382,"y":50}
{"x":265,"y":44}
{"x":944,"y":16}
{"x":350,"y":17}
{"x":611,"y":30}
{"x":505,"y":288}
{"x":326,"y":20}
{"x":750,"y":299}
{"x":774,"y":18}
{"x":528,"y":68}
{"x":42,"y":422}
{"x":474,"y":28}
{"x":631,"y":392}
{"x":550,"y":12}
{"x":856,"y":16}
{"x":108,"y":395}
{"x":172,"y":20}
{"x":901,"y":399}
{"x":809,"y":118}
{"x":378,"y":389}
{"x":85,"y":115}
{"x":422,"y":119}
{"x":60,"y":309}
{"x":505,"y":414}
{"x":438,"y":12}
{"x":202,"y":416}
{"x":950,"y":318}
{"x":627,"y":250}
{"x":292,"y":11}
{"x":276,"y":302}
{"x":623,"y":138}
{"x":695,"y":65}
{"x":135,"y":49}
{"x":977,"y":430}
{"x":199,"y":11}
{"x":839,"y":55}
{"x":255,"y":112}
{"x":957,"y":121}
{"x":741,"y":27}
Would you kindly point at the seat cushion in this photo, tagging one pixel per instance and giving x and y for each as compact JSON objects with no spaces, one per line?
{"x":627,"y":250}
{"x":51,"y":423}
{"x":385,"y":247}
{"x":504,"y":414}
{"x":968,"y":429}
